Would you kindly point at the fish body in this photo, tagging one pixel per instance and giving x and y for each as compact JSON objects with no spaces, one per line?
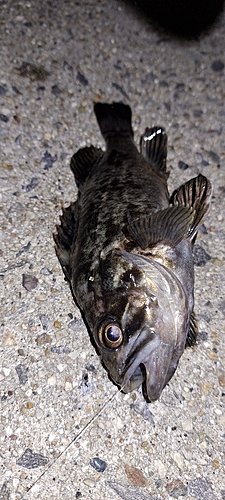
{"x":125,"y":247}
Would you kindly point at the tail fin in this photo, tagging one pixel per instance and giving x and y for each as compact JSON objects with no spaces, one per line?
{"x":113,"y":118}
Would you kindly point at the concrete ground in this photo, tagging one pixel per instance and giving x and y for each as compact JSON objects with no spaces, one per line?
{"x":59,"y":411}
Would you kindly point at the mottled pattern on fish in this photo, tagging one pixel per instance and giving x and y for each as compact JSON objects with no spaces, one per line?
{"x":125,"y":246}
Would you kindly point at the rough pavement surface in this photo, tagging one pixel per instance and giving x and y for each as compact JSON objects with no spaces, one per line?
{"x":56,"y":59}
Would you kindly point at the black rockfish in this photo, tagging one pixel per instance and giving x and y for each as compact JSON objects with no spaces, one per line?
{"x":125,"y":247}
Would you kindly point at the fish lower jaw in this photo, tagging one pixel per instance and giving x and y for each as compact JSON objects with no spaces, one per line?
{"x":136,"y":379}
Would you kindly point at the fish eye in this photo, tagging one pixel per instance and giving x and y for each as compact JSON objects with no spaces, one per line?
{"x":110,"y":335}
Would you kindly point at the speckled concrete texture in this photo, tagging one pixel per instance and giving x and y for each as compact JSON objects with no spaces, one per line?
{"x":56,"y":410}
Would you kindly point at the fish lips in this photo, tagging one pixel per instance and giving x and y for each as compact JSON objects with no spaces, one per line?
{"x":149,"y":364}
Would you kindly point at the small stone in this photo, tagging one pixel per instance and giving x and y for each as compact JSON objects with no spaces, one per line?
{"x":179,"y":460}
{"x":200,"y":489}
{"x":45,"y":321}
{"x":29,"y":282}
{"x":98,"y":464}
{"x":82,"y":79}
{"x":42,"y":339}
{"x":32,"y":185}
{"x":206,"y":387}
{"x":3,"y":90}
{"x":217,"y":66}
{"x":48,"y":160}
{"x":221,"y":379}
{"x":57,"y":324}
{"x":128,"y":448}
{"x":217,"y":262}
{"x":187,"y":425}
{"x":176,"y":488}
{"x":2,"y":377}
{"x":13,"y":437}
{"x":21,"y":371}
{"x":31,"y":460}
{"x":30,"y":405}
{"x":21,"y":352}
{"x":51,"y":381}
{"x":68,"y":386}
{"x":135,"y":476}
{"x":161,"y":468}
{"x":89,"y":482}
{"x":47,"y":136}
{"x":182,"y":165}
{"x":201,"y":257}
{"x":211,"y":355}
{"x":56,"y":90}
{"x":8,"y":339}
{"x":142,"y":408}
{"x":4,"y":118}
{"x":215,"y":464}
{"x":214,"y":157}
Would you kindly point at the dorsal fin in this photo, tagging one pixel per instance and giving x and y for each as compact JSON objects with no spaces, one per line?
{"x":195,"y":193}
{"x":153,"y":145}
{"x":83,"y":161}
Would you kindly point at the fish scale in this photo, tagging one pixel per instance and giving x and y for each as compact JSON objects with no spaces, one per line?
{"x":125,"y":247}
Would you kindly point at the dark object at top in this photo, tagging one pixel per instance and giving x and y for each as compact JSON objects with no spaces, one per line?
{"x":182,"y":18}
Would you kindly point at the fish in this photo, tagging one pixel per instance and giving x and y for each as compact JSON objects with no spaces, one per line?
{"x":125,"y":246}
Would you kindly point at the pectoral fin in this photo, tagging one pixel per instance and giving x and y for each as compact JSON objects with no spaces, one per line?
{"x":192,"y":332}
{"x":167,"y":226}
{"x":196,"y":194}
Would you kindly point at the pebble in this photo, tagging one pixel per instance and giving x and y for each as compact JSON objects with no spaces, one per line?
{"x":89,"y":482}
{"x":8,"y":339}
{"x":135,"y":476}
{"x":179,"y":460}
{"x":221,"y":379}
{"x":201,"y":489}
{"x":21,"y":371}
{"x":161,"y":468}
{"x":57,"y":324}
{"x":42,"y":339}
{"x":31,"y":460}
{"x":201,"y":257}
{"x":98,"y":464}
{"x":187,"y":425}
{"x":176,"y":488}
{"x":51,"y":381}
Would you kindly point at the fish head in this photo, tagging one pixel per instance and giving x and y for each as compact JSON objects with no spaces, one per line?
{"x":142,"y":328}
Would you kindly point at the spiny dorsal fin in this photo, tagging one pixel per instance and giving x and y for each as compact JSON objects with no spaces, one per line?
{"x":113,"y":119}
{"x":83,"y":161}
{"x":195,"y":193}
{"x":192,"y":332}
{"x":153,"y":145}
{"x":170,"y":226}
{"x":66,"y":233}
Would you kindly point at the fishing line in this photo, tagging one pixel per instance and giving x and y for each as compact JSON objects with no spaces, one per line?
{"x":75,"y":439}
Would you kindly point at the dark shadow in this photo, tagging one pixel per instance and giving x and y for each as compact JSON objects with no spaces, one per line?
{"x":182,"y":18}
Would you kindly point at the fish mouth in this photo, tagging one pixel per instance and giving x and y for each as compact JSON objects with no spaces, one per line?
{"x":148,"y":365}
